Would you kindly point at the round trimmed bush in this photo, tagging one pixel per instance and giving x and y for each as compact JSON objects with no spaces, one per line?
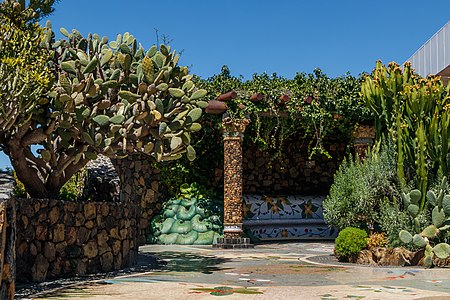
{"x":349,"y":243}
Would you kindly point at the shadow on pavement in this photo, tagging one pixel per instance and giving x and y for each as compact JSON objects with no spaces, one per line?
{"x":158,"y":262}
{"x":145,"y":263}
{"x":188,"y":262}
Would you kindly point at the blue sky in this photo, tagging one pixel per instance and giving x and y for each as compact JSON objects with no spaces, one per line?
{"x":252,"y":36}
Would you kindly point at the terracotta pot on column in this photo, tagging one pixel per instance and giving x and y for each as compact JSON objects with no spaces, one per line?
{"x":233,"y":133}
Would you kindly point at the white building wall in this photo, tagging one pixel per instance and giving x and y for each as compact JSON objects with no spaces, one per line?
{"x":434,"y":55}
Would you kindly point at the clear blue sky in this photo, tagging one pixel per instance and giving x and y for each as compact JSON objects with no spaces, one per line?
{"x":253,"y":36}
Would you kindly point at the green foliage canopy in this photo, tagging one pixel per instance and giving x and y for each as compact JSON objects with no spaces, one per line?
{"x":314,"y":104}
{"x":24,"y":73}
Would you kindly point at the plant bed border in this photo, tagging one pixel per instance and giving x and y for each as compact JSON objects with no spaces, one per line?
{"x":395,"y":257}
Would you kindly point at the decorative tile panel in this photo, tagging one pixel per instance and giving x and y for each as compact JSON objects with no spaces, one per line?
{"x":285,"y":217}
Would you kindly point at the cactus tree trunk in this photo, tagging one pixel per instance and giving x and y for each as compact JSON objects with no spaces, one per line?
{"x":36,"y":185}
{"x":41,"y":180}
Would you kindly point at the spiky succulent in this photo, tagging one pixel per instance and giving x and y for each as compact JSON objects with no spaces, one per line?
{"x":413,"y":113}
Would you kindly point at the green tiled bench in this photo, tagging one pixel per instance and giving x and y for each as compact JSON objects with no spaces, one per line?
{"x":285,"y":217}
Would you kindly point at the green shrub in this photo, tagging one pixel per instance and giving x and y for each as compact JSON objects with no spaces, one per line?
{"x":359,"y":188}
{"x":349,"y":243}
{"x":72,"y":190}
{"x":392,"y":219}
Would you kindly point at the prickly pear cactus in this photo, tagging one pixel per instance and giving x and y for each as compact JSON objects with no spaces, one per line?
{"x":189,"y":219}
{"x":411,"y":202}
{"x":118,"y":98}
{"x":107,"y":97}
{"x":435,"y":234}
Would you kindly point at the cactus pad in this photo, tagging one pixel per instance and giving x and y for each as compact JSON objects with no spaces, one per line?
{"x":419,"y":241}
{"x":430,"y":232}
{"x":442,"y":250}
{"x":405,"y":236}
{"x":415,"y":196}
{"x":438,"y":216}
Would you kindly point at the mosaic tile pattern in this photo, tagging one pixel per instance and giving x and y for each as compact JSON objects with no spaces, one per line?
{"x":286,"y":217}
{"x":269,"y":271}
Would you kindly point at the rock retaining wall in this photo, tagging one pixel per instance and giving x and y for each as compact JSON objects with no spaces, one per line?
{"x":61,"y":239}
{"x":101,"y":182}
{"x":140,"y":184}
{"x":7,"y":237}
{"x":293,"y":173}
{"x":132,"y":180}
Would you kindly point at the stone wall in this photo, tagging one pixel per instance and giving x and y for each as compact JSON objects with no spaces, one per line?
{"x":293,"y":173}
{"x":131,"y":180}
{"x":7,"y":237}
{"x":101,"y":182}
{"x":140,"y":184}
{"x":58,"y":238}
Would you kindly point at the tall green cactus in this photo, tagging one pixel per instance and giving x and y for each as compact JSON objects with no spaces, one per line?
{"x":412,"y":112}
{"x":112,"y":98}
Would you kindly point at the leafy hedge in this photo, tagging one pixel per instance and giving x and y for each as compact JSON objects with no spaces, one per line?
{"x":319,"y":107}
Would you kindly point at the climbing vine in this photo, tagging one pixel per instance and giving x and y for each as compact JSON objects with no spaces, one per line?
{"x":311,"y":104}
{"x":312,"y":107}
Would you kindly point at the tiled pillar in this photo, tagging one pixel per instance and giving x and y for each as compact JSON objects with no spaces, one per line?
{"x":233,"y":132}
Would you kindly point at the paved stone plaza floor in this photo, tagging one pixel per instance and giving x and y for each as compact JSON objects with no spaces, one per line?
{"x":270,"y":271}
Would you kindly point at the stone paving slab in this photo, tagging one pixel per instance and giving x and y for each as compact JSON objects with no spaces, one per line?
{"x":270,"y":271}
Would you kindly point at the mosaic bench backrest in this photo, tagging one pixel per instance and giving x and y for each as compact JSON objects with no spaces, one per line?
{"x":262,"y":207}
{"x":285,"y":218}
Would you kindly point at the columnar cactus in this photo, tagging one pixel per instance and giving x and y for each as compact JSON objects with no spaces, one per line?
{"x":112,"y":98}
{"x":413,"y":111}
{"x":439,"y":230}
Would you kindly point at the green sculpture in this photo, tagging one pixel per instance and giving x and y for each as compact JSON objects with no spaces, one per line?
{"x":189,"y":219}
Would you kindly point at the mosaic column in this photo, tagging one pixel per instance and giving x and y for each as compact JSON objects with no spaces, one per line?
{"x":233,"y":132}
